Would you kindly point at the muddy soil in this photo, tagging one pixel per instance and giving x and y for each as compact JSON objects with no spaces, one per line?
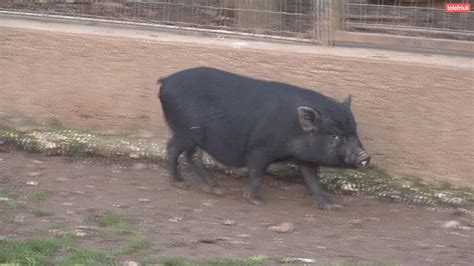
{"x":190,"y":223}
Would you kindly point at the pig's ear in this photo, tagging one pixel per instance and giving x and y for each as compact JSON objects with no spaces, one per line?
{"x":309,"y":118}
{"x":347,"y":101}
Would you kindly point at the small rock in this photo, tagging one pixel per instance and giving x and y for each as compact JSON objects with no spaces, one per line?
{"x":243,"y":235}
{"x":3,"y":199}
{"x":139,"y":166}
{"x":86,"y":228}
{"x":90,"y":186}
{"x":293,"y":260}
{"x":229,"y":222}
{"x":144,"y":200}
{"x":373,"y":219}
{"x":347,"y":186}
{"x":451,"y":224}
{"x":56,"y":231}
{"x":67,"y":203}
{"x":80,"y":192}
{"x":175,"y":219}
{"x":20,"y":219}
{"x":32,"y":183}
{"x":69,"y":212}
{"x":282,"y":228}
{"x":37,"y":161}
{"x":80,"y":233}
{"x":120,"y":205}
{"x":130,"y":263}
{"x":134,"y":156}
{"x":34,"y":174}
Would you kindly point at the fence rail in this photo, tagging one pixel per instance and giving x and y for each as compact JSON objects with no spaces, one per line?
{"x":319,"y":21}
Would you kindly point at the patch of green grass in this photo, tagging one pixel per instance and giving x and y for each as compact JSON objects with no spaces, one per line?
{"x":29,"y":252}
{"x":51,"y":251}
{"x":121,"y":229}
{"x":211,"y":262}
{"x":7,"y":193}
{"x":108,"y":219}
{"x":38,"y":195}
{"x":136,"y":246}
{"x":59,"y":225}
{"x":80,"y":255}
{"x":124,"y":228}
{"x":37,"y":232}
{"x":11,"y":204}
{"x":41,"y":212}
{"x":8,"y":219}
{"x":113,"y":224}
{"x":149,"y":260}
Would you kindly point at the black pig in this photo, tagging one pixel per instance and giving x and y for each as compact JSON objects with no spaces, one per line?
{"x":246,"y":122}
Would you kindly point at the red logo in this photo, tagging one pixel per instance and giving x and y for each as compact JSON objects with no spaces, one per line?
{"x":457,"y":7}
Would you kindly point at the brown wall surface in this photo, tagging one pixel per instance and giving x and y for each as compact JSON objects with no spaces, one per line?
{"x":416,"y":119}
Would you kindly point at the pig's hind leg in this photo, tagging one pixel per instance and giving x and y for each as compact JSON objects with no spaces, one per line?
{"x":210,"y":185}
{"x":174,"y":148}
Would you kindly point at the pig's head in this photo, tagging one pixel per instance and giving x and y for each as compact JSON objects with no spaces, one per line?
{"x":330,"y":137}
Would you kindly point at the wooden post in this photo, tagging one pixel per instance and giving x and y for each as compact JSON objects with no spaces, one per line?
{"x":336,"y":9}
{"x":329,"y":13}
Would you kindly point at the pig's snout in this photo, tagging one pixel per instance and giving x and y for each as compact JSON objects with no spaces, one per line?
{"x":360,"y":161}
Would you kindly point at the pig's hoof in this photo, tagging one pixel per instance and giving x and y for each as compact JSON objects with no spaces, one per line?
{"x":252,"y":199}
{"x":256,"y":202}
{"x":179,"y":184}
{"x":330,"y":206}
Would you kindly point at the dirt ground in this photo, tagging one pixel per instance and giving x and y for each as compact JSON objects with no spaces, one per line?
{"x":189,"y":223}
{"x":414,"y":115}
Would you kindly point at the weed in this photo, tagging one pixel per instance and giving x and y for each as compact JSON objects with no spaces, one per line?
{"x":108,"y":219}
{"x":135,"y":246}
{"x":38,"y":195}
{"x":41,"y":212}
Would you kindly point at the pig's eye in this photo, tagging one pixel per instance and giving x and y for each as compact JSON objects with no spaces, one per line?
{"x":335,"y":137}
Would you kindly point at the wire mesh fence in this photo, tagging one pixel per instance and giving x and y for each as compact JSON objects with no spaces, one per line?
{"x":311,"y":20}
{"x":292,"y":18}
{"x":423,"y":18}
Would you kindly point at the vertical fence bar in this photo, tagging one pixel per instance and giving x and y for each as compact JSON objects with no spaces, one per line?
{"x":335,"y":20}
{"x":322,"y":22}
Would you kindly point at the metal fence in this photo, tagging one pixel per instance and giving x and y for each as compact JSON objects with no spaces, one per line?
{"x":304,"y":20}
{"x":278,"y":18}
{"x":422,"y":18}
